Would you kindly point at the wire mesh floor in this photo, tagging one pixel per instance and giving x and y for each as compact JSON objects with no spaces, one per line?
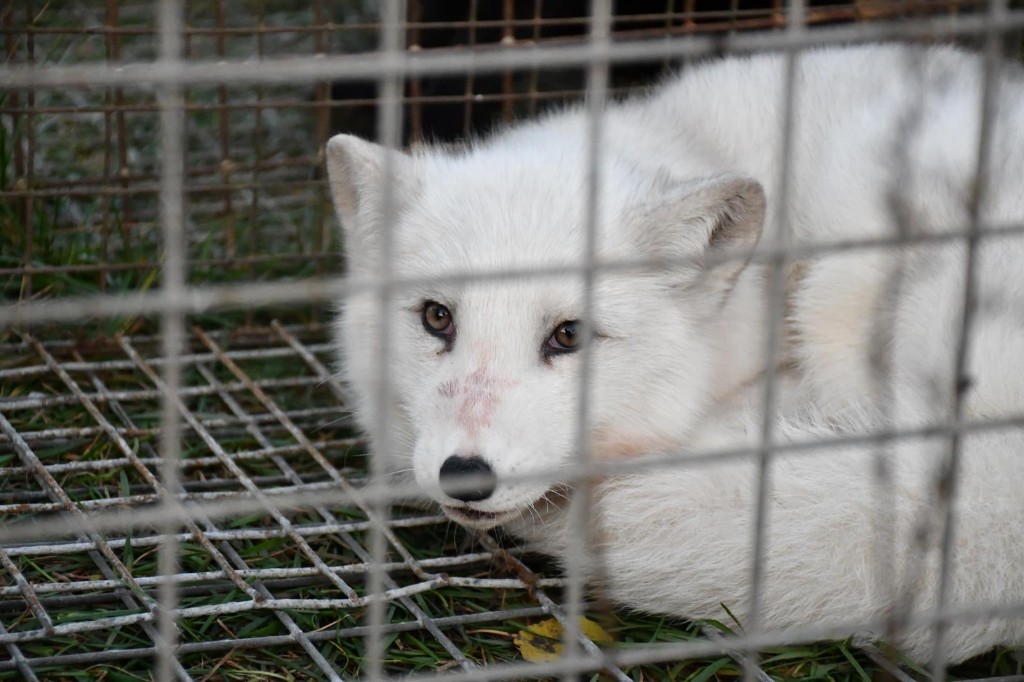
{"x":261,"y":422}
{"x":280,"y":577}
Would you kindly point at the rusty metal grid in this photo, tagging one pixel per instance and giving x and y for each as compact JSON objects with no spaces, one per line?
{"x":254,"y":151}
{"x":84,"y":421}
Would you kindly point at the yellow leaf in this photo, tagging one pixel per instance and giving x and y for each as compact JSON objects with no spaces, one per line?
{"x":595,"y":632}
{"x":543,"y":641}
{"x":537,"y":648}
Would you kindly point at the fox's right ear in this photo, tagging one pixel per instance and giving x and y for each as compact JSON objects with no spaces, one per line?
{"x":356,"y":172}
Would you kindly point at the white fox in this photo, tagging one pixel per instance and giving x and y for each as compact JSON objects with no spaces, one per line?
{"x":484,"y":375}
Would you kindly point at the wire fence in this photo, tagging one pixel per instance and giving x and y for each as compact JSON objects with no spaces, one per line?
{"x":182,"y":492}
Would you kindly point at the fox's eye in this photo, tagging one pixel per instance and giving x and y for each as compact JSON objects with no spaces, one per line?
{"x":565,"y":339}
{"x":437,"y":319}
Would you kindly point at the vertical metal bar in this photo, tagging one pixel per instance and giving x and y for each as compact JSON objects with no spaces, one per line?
{"x":415,"y":84}
{"x":508,"y":40}
{"x":538,"y":14}
{"x":113,"y":25}
{"x":108,"y":125}
{"x":188,"y":29}
{"x":773,"y":342}
{"x":253,"y":247}
{"x":28,"y":179}
{"x":322,"y":95}
{"x":172,"y":323}
{"x":670,"y":16}
{"x":947,"y":481}
{"x":14,"y":99}
{"x":579,"y":509}
{"x":224,"y":129}
{"x":467,"y":110}
{"x":389,"y":127}
{"x":689,"y":13}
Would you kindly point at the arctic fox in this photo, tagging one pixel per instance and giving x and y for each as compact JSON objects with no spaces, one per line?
{"x":484,"y":375}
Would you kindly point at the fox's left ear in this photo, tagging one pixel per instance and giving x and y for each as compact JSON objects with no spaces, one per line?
{"x":357,"y":171}
{"x":713,"y":222}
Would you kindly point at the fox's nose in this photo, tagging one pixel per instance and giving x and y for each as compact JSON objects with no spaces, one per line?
{"x":469,"y":479}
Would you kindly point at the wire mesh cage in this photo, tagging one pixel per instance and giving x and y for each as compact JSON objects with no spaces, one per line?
{"x":184,"y":494}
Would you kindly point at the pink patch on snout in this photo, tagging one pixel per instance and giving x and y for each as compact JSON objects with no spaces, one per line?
{"x":479,"y":395}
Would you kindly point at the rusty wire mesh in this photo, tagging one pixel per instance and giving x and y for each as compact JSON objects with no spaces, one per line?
{"x":81,"y":164}
{"x":271,"y":469}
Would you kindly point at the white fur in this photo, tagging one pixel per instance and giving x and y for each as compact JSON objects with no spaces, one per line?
{"x":691,"y":171}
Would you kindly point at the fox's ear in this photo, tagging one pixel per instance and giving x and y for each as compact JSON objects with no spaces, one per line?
{"x":356,"y":173}
{"x":715,"y":221}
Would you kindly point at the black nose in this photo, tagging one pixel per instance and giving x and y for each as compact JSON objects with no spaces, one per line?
{"x":469,"y":479}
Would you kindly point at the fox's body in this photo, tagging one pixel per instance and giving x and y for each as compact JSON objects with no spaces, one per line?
{"x":884,"y":139}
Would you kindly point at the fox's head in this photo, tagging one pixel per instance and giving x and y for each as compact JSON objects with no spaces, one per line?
{"x":484,"y":366}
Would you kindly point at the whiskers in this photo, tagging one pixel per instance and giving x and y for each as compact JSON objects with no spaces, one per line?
{"x":560,"y":490}
{"x":335,"y":378}
{"x":345,"y":417}
{"x":555,"y":498}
